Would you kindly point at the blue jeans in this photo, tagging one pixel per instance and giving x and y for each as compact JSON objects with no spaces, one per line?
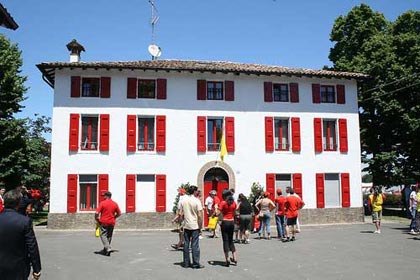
{"x":265,"y":222}
{"x":413,"y":218}
{"x":191,"y":236}
{"x":281,"y":227}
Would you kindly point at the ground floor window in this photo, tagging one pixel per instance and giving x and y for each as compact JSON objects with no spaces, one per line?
{"x":332,"y":190}
{"x":283,"y":181}
{"x":88,"y":185}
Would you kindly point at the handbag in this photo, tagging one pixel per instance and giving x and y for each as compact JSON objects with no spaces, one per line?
{"x":212,"y":222}
{"x":260,"y":215}
{"x":97,"y":230}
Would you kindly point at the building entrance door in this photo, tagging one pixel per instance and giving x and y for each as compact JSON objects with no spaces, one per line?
{"x":215,"y":179}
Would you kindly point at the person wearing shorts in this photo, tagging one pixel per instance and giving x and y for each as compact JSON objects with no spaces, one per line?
{"x":376,"y":199}
{"x":292,"y":206}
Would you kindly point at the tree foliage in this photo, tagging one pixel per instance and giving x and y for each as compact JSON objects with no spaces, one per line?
{"x":24,"y":153}
{"x":389,"y":103}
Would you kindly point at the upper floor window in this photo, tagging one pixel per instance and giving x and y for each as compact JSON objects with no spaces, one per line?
{"x":210,"y":131}
{"x":282,"y":134}
{"x":90,"y":87}
{"x":89,"y":135}
{"x":281,"y":92}
{"x":146,"y":133}
{"x":89,"y":132}
{"x":215,"y":90}
{"x":330,"y":134}
{"x":146,"y":88}
{"x":327,"y":94}
{"x":146,"y":137}
{"x":214,"y":133}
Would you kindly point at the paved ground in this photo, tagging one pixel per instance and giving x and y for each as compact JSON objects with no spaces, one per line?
{"x":320,"y":252}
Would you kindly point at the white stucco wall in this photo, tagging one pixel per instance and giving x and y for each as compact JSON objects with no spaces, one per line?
{"x":181,"y":162}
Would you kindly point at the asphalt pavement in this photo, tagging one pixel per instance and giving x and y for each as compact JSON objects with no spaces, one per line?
{"x":343,"y":251}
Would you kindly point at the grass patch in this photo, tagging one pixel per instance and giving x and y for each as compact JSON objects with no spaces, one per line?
{"x":40,"y":218}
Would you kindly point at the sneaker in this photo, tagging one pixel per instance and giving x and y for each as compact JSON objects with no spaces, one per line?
{"x":412,"y":231}
{"x":292,"y":239}
{"x":377,"y":231}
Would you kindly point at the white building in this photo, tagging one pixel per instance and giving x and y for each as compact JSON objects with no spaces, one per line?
{"x":141,"y":129}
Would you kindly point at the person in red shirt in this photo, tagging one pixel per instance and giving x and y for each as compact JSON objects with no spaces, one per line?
{"x":292,"y":206}
{"x":227,"y":208}
{"x":106,"y":215}
{"x":281,"y":227}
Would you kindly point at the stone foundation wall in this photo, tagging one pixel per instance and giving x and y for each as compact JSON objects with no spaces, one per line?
{"x":163,"y":220}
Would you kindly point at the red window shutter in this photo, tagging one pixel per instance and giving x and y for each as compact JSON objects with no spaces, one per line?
{"x":201,"y":90}
{"x":229,"y":91}
{"x":71,"y":193}
{"x":131,"y":133}
{"x":342,"y":123}
{"x":270,"y":183}
{"x":345,"y":189}
{"x":269,"y":134}
{"x":130,"y":193}
{"x":297,"y":184}
{"x":318,"y":134}
{"x":294,"y":92}
{"x":201,"y":134}
{"x":160,"y":133}
{"x":316,"y":93}
{"x":160,"y":193}
{"x":295,"y":134}
{"x":341,"y":94}
{"x":105,"y":87}
{"x":161,"y":89}
{"x":104,"y":133}
{"x":75,"y":86}
{"x":132,"y":88}
{"x":74,"y":133}
{"x":230,"y":134}
{"x":268,"y":92}
{"x":103,"y":185}
{"x":320,"y":198}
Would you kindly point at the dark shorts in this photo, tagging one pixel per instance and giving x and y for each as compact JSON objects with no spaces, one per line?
{"x":291,"y":221}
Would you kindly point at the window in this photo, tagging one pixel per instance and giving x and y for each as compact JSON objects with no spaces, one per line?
{"x":283,"y":181}
{"x":210,"y":130}
{"x":331,"y":191}
{"x":94,"y":128}
{"x":89,"y":133}
{"x":145,"y":193}
{"x":281,"y":92}
{"x":88,"y":192}
{"x":281,"y":134}
{"x":327,"y":94}
{"x":214,"y":133}
{"x":214,"y":90}
{"x":146,"y":137}
{"x":90,"y":87}
{"x":329,"y":135}
{"x":146,"y":88}
{"x":146,"y":133}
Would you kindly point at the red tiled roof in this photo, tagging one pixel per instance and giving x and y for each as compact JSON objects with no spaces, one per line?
{"x":48,"y":69}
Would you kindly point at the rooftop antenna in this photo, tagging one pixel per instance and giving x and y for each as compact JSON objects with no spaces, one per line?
{"x":153,"y":49}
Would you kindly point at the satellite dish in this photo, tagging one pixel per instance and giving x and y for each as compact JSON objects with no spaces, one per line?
{"x":154,"y":50}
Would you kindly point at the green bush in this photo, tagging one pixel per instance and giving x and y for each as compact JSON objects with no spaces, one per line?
{"x":393,"y":200}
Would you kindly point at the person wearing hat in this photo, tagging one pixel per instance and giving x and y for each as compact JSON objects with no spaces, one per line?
{"x":264,"y":206}
{"x":106,"y":214}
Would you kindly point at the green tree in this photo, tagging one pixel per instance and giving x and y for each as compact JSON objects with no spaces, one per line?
{"x":389,"y":103}
{"x":12,"y":131}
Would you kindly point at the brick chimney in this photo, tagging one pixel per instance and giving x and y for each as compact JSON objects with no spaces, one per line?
{"x":75,"y":49}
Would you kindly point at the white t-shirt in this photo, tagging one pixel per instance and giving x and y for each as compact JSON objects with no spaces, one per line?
{"x":190,"y":207}
{"x":413,"y":198}
{"x":209,"y":203}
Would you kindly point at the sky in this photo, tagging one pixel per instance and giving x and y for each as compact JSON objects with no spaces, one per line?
{"x":271,"y":32}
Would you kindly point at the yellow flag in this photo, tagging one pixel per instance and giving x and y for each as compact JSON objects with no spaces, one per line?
{"x":223,"y":150}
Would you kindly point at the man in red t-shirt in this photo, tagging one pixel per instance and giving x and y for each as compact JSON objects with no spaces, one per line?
{"x":292,"y":206}
{"x":280,"y":201}
{"x":105,"y":215}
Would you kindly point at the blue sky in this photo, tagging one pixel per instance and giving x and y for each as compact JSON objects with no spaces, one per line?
{"x":273,"y":32}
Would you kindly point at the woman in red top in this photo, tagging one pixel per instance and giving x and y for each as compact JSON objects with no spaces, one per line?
{"x":227,"y":207}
